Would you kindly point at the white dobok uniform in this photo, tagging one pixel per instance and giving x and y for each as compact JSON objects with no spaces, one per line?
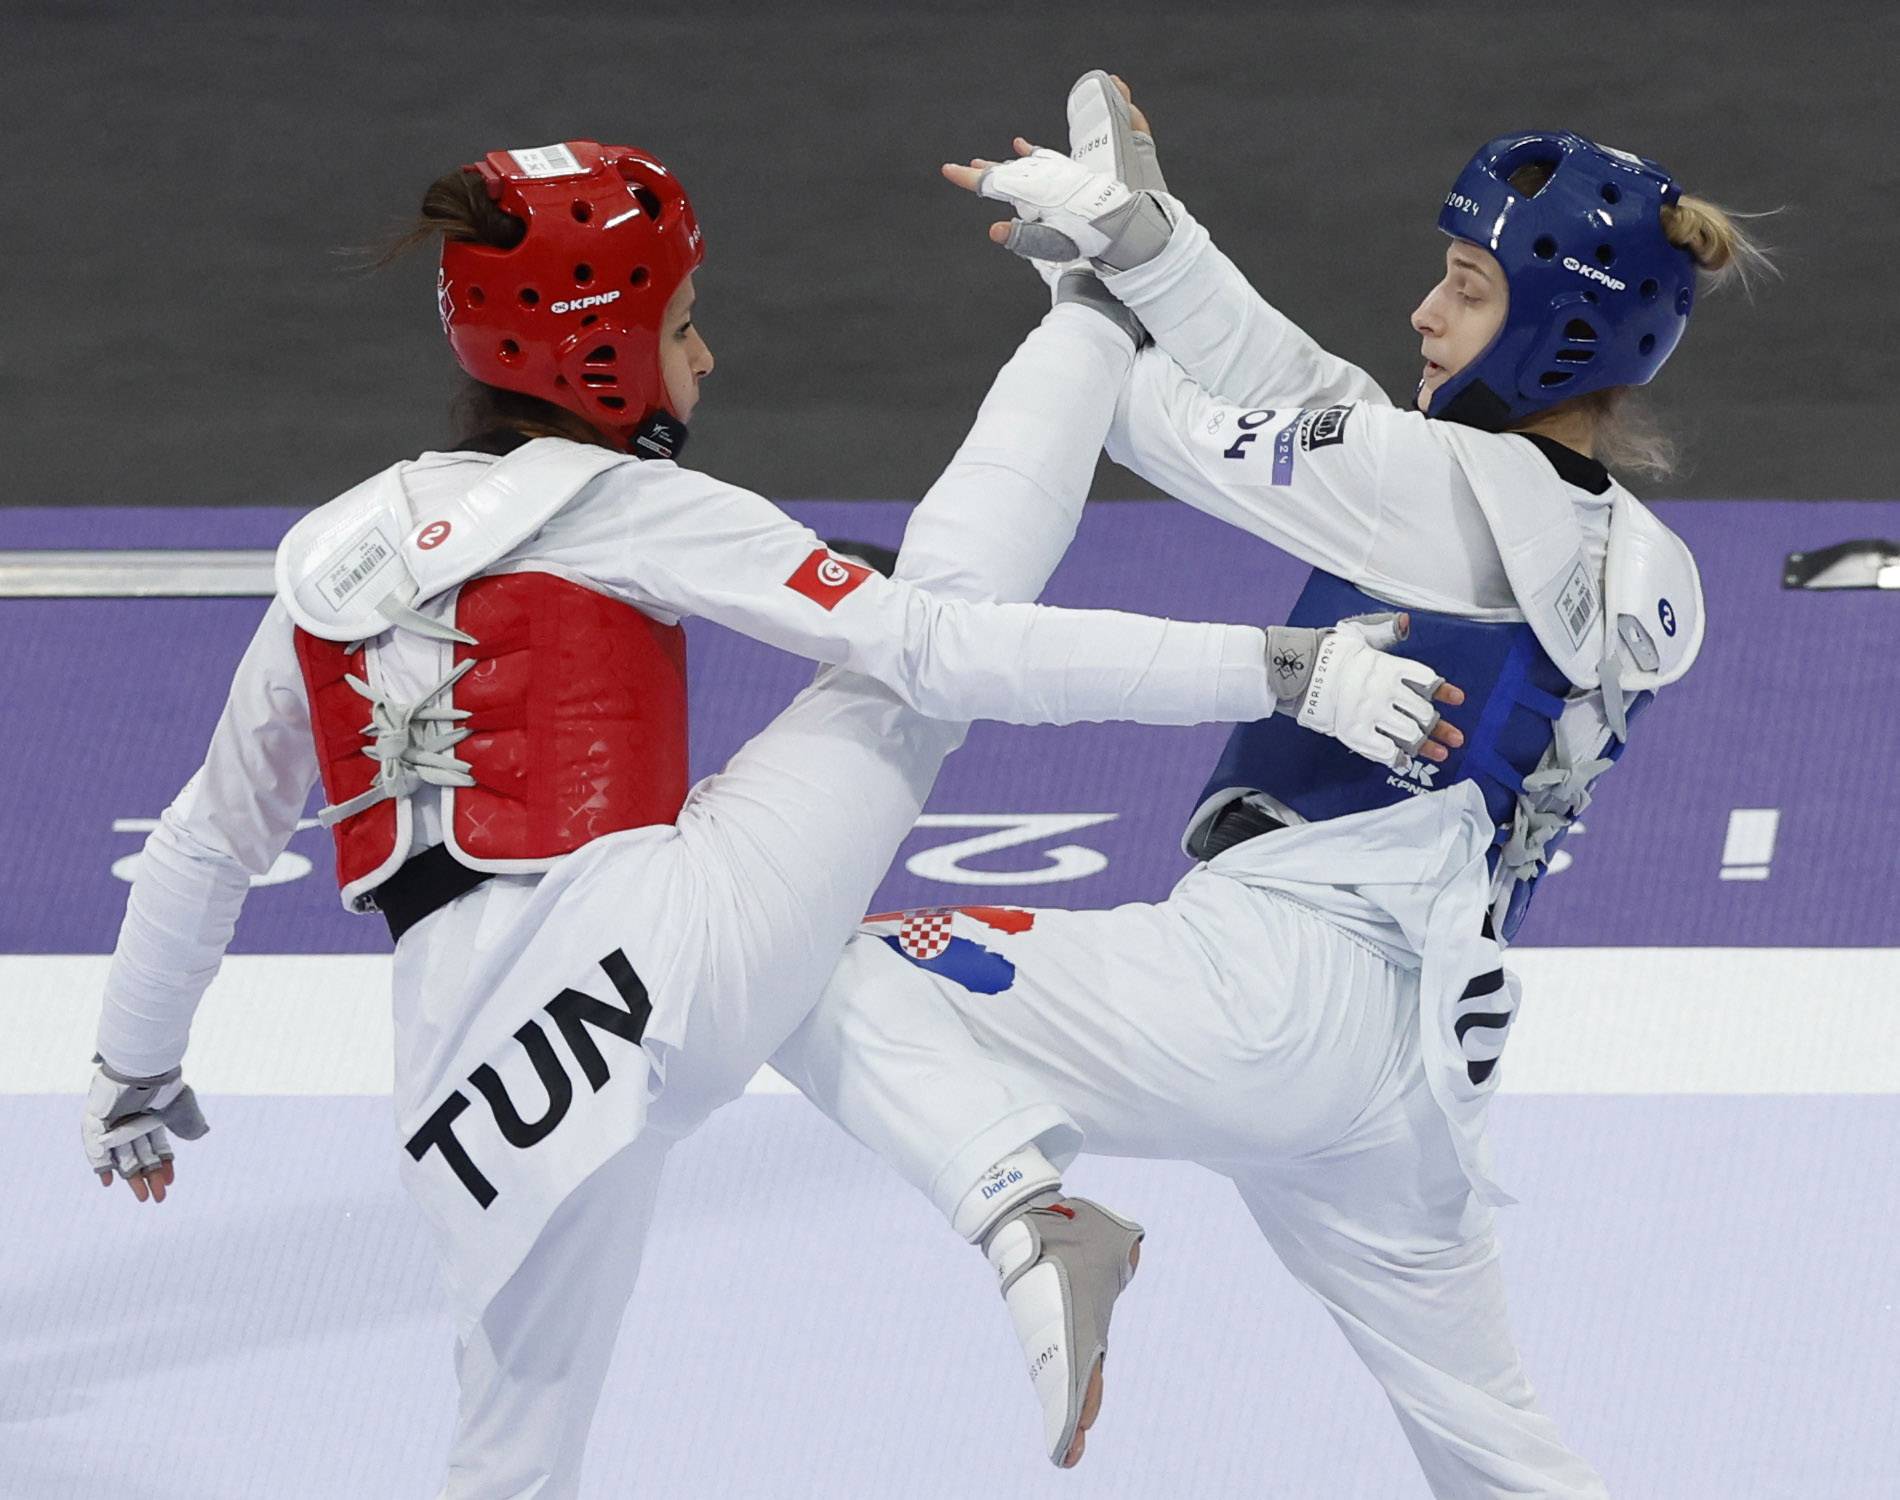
{"x":1289,"y":1014}
{"x":732,"y":917}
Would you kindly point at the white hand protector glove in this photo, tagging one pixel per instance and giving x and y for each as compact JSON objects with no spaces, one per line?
{"x":1063,"y":211}
{"x":128,"y":1121}
{"x":1340,"y":682}
{"x":1103,"y":138}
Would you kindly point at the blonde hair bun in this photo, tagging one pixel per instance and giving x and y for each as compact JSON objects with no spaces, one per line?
{"x":1718,"y":244}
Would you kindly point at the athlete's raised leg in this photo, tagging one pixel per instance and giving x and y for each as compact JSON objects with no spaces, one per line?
{"x":802,"y":824}
{"x":949,"y":1038}
{"x":795,"y":833}
{"x":1384,"y":1230}
{"x":973,"y":1047}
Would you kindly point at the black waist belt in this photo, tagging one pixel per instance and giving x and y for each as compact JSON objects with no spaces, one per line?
{"x":423,"y":886}
{"x":1235,"y":823}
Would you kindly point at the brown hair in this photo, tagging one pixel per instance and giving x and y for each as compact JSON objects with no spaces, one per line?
{"x":1625,"y":434}
{"x":488,"y":419}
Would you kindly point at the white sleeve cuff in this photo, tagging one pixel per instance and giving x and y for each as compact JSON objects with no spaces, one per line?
{"x":1245,"y":692}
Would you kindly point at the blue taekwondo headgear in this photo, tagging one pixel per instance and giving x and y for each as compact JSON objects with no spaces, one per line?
{"x":1599,"y":297}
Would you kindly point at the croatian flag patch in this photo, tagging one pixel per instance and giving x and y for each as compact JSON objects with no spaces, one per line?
{"x":950,"y":941}
{"x":825,"y":579}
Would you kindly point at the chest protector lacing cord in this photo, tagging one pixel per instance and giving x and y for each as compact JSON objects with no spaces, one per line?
{"x":412,"y":744}
{"x":1554,"y":796}
{"x":1557,"y":792}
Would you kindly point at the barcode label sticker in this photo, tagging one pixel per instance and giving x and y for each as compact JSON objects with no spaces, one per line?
{"x":354,"y":567}
{"x":1577,"y":605}
{"x":546,"y":161}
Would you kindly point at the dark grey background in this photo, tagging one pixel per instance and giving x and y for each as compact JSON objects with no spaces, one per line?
{"x":181,"y":330}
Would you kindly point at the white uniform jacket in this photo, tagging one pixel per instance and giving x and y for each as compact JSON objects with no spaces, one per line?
{"x":673,"y":543}
{"x":1242,"y":415}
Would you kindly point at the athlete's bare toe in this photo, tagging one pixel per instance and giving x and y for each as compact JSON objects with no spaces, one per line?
{"x":1091,"y":1400}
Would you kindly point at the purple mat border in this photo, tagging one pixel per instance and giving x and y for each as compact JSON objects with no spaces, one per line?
{"x":1795,"y":705}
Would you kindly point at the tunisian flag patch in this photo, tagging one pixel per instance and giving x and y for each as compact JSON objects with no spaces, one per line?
{"x":825,"y":579}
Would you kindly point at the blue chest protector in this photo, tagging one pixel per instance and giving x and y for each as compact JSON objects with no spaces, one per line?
{"x":1514,"y":694}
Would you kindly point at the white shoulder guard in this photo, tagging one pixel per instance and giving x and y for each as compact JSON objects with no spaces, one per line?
{"x":363,"y":562}
{"x":1540,"y":541}
{"x":1653,"y":601}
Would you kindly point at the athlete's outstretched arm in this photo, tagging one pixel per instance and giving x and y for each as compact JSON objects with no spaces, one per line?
{"x":230,"y":822}
{"x":696,"y":546}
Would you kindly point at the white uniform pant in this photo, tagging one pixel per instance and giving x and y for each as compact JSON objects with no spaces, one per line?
{"x":733,"y":920}
{"x":1229,"y":1026}
{"x":777,"y":862}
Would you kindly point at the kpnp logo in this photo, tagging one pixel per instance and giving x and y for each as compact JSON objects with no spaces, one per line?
{"x":1415,"y":777}
{"x":1571,"y":263}
{"x":599,"y":300}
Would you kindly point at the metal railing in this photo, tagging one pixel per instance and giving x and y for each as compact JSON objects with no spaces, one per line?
{"x":151,"y":574}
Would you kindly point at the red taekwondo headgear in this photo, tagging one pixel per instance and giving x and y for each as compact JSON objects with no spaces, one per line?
{"x":572,"y":313}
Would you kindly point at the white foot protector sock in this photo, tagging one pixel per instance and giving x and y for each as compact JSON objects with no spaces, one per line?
{"x":1005,"y":1188}
{"x":1062,"y":1262}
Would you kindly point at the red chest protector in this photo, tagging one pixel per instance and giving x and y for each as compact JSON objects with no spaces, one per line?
{"x":577,"y":716}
